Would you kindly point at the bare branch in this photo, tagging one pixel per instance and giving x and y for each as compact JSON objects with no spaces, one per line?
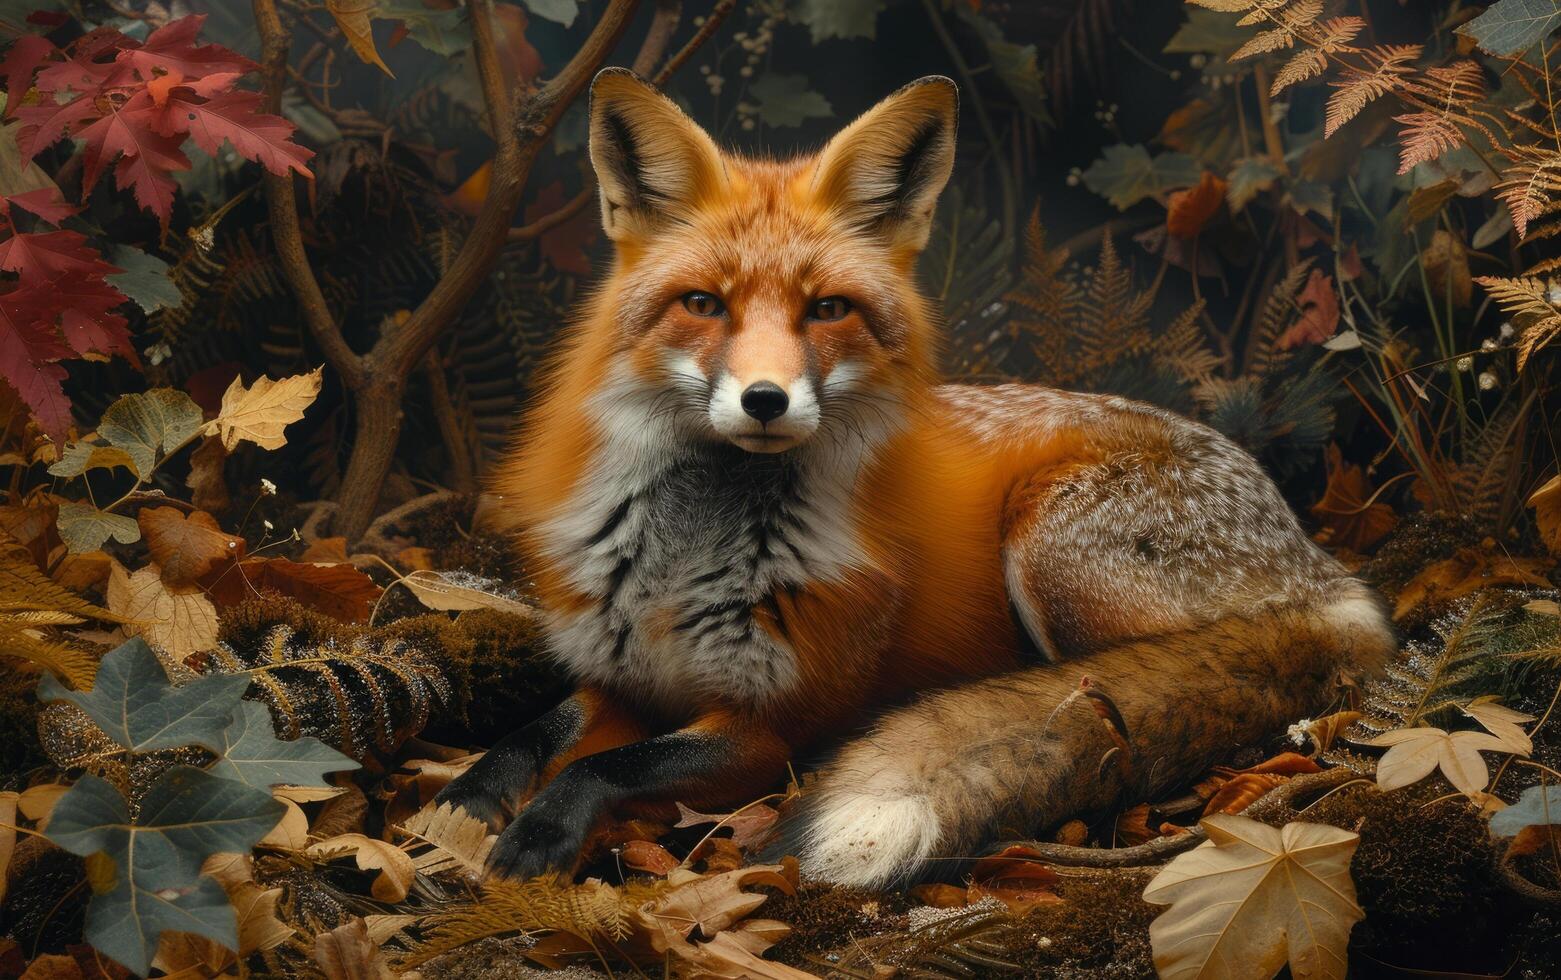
{"x":712,"y":23}
{"x":282,"y":202}
{"x":662,"y":26}
{"x":553,"y":219}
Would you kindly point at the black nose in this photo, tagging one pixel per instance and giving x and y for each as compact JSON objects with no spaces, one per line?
{"x":764,"y":400}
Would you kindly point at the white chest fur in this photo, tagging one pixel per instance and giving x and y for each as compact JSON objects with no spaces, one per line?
{"x":678,"y":540}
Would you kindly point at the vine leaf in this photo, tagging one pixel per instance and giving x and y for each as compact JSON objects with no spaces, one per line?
{"x":84,"y":528}
{"x":1416,"y":752}
{"x":259,"y":413}
{"x":1126,"y":174}
{"x":146,"y":873}
{"x":253,"y":755}
{"x":1252,"y":898}
{"x":144,"y":423}
{"x":136,"y":706}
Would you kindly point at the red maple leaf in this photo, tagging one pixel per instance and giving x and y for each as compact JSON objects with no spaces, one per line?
{"x":46,"y":202}
{"x":84,"y":302}
{"x":148,"y":156}
{"x":232,"y":116}
{"x":26,"y":54}
{"x":48,"y":122}
{"x":172,"y":48}
{"x":28,"y":349}
{"x":40,"y":258}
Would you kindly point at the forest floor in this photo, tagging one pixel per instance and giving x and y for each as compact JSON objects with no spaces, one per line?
{"x":361,"y":880}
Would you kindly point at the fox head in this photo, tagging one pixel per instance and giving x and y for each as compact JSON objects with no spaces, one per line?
{"x":765,"y":302}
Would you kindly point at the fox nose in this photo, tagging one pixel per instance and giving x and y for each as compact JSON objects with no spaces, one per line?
{"x":764,"y":400}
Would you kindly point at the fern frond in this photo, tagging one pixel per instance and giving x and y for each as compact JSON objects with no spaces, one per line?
{"x":1226,"y":6}
{"x":1520,"y":297}
{"x":1359,"y":88}
{"x":1425,"y":136}
{"x":1184,"y":348}
{"x":1278,"y":313}
{"x":18,"y":638}
{"x":24,"y":588}
{"x":1259,"y":11}
{"x":1531,"y":184}
{"x":1337,"y":32}
{"x":1535,"y":336}
{"x":1275,"y":39}
{"x":1306,"y":64}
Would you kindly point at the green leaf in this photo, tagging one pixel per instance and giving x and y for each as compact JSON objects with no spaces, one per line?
{"x":445,"y":32}
{"x":1016,"y":64}
{"x":840,"y":18}
{"x":253,"y":755}
{"x":134,"y":704}
{"x":1510,"y":27}
{"x":1209,"y":32}
{"x":142,"y":424}
{"x":1310,"y":195}
{"x":559,"y":11}
{"x":1248,"y":178}
{"x":79,"y":457}
{"x":144,"y":280}
{"x":786,"y":100}
{"x":1537,"y":807}
{"x":84,"y":528}
{"x":186,"y":816}
{"x":1126,"y":174}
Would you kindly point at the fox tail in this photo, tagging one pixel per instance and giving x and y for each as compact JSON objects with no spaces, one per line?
{"x":940,"y":777}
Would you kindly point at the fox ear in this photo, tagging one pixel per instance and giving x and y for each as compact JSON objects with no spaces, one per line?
{"x":887,"y":168}
{"x":652,"y":162}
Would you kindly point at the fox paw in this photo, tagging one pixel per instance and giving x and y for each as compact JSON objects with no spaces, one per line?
{"x":477,"y":796}
{"x":532,"y":846}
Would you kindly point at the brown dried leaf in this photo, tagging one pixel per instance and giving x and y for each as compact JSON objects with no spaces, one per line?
{"x":1016,"y":877}
{"x":394,"y":865}
{"x":1189,"y":210}
{"x":438,"y":591}
{"x":644,"y":855}
{"x":340,"y":591}
{"x":207,"y":481}
{"x":1319,"y":313}
{"x":186,"y":547}
{"x":8,"y":807}
{"x":178,"y":621}
{"x":1546,"y":502}
{"x":260,"y":413}
{"x":750,"y":825}
{"x":331,"y":551}
{"x":941,"y":896}
{"x":452,"y":839}
{"x":348,"y":953}
{"x":1132,"y":827}
{"x":1352,"y":518}
{"x":1467,"y":571}
{"x":1324,"y":730}
{"x":356,"y":20}
{"x":1242,"y":791}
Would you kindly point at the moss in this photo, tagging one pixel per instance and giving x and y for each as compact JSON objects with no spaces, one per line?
{"x":1418,"y":540}
{"x":246,"y":625}
{"x":823,"y":917}
{"x":1099,"y":929}
{"x":45,"y":900}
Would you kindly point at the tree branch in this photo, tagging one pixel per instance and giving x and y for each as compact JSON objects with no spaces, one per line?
{"x":282,"y":203}
{"x":662,"y":26}
{"x":713,"y":20}
{"x":532,"y":120}
{"x":553,"y":219}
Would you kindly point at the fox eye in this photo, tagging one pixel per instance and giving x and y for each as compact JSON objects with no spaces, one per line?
{"x":830,"y":308}
{"x":703,"y":304}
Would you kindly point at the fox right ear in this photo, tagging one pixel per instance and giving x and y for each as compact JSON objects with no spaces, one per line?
{"x":652,"y":162}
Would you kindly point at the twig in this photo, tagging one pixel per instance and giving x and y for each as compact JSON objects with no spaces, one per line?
{"x":553,"y":219}
{"x":1157,"y":851}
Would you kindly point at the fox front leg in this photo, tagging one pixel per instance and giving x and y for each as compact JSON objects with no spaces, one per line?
{"x":717,"y":759}
{"x":491,"y":787}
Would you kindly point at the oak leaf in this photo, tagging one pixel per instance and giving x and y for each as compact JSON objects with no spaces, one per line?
{"x":260,"y":412}
{"x":1252,"y":898}
{"x":339,"y":590}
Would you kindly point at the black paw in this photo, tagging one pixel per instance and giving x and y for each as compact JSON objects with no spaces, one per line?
{"x":480,"y":797}
{"x":534,"y":845}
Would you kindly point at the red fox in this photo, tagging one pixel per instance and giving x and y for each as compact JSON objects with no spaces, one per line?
{"x":757,"y":522}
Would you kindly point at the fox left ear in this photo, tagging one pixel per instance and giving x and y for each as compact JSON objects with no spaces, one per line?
{"x":886,"y":169}
{"x":653,"y":163}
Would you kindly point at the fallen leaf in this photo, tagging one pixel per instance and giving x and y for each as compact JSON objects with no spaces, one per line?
{"x":260,"y":413}
{"x":1546,"y":502}
{"x":1283,"y":764}
{"x":1468,"y":570}
{"x":1416,"y":752}
{"x":1242,"y":791}
{"x":341,"y":591}
{"x":1324,"y":730}
{"x":349,"y":953}
{"x":291,"y":833}
{"x":258,"y":925}
{"x":1352,"y":518}
{"x":1191,"y":209}
{"x":644,"y":855}
{"x":53,"y":966}
{"x":941,"y":896}
{"x":441,"y":591}
{"x":1502,"y":722}
{"x":713,"y":905}
{"x":326,"y":551}
{"x":177,"y":621}
{"x":8,"y":808}
{"x":416,"y":559}
{"x":1543,"y":607}
{"x":1016,"y":877}
{"x":750,"y":826}
{"x":1252,"y":898}
{"x":1446,"y":261}
{"x":717,"y":854}
{"x":452,"y":839}
{"x":186,"y":547}
{"x":395,"y":867}
{"x":1319,"y":313}
{"x":207,"y":481}
{"x":1132,"y":827}
{"x":37,"y":802}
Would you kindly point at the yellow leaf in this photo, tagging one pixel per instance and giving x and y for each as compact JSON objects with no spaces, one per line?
{"x":1546,"y":502}
{"x":439,"y":591}
{"x":395,"y":867}
{"x":349,"y":953}
{"x":356,"y":20}
{"x":1252,"y":898}
{"x":1415,"y":752}
{"x":291,"y":833}
{"x":178,"y":622}
{"x":1502,"y":722}
{"x":37,"y":802}
{"x":261,"y":412}
{"x":449,"y":839}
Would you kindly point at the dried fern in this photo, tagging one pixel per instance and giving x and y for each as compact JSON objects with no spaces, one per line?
{"x":357,"y":698}
{"x":31,"y":603}
{"x":594,"y":911}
